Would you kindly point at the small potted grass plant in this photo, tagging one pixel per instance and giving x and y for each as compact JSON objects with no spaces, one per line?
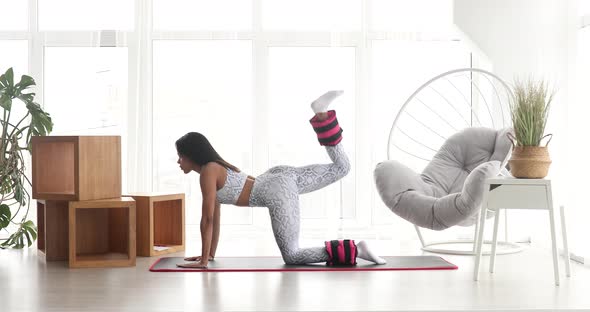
{"x":529,"y":110}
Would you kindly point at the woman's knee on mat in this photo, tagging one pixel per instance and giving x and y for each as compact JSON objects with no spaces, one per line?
{"x":291,"y":256}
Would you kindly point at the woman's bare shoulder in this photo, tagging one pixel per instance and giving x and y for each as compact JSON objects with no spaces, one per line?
{"x":213,"y":172}
{"x":212,"y":168}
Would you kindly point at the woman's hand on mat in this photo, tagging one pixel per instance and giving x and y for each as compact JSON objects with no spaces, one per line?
{"x":197,"y":265}
{"x":197,"y":258}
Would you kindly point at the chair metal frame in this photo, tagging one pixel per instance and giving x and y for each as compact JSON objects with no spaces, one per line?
{"x":509,"y":247}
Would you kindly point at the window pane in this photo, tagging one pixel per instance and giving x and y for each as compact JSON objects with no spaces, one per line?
{"x":398,"y":69}
{"x":416,"y":15}
{"x":13,"y":15}
{"x":15,"y":54}
{"x":202,"y":15}
{"x":297,"y":76}
{"x":86,"y":89}
{"x":310,"y":15}
{"x":206,"y":87}
{"x":86,"y":15}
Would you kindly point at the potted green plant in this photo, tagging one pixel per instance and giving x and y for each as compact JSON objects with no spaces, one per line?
{"x":16,"y":139}
{"x":529,"y":110}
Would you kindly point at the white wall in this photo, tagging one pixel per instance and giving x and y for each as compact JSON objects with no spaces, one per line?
{"x":538,"y":38}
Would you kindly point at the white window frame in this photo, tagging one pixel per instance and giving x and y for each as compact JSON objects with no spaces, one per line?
{"x":361,"y":40}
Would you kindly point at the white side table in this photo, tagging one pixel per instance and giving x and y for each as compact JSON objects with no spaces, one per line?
{"x":513,"y":193}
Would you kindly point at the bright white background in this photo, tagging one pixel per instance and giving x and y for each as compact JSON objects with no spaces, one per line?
{"x":243,"y":73}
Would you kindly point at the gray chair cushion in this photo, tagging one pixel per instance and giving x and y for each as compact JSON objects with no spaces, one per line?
{"x":449,"y":191}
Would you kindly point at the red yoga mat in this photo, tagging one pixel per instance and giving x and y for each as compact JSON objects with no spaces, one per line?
{"x":276,"y":264}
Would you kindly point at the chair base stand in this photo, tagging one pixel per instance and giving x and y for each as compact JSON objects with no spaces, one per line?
{"x":504,"y":248}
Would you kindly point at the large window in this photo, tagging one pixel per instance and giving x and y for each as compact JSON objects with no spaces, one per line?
{"x":242,"y":72}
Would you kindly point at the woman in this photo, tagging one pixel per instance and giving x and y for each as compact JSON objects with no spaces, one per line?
{"x":278,"y":189}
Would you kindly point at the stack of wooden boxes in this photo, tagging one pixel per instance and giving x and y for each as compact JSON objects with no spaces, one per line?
{"x":81,"y":214}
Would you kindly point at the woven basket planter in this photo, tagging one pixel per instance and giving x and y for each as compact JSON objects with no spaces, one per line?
{"x":529,"y":162}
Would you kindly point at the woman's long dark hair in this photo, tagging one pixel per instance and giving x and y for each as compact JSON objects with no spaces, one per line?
{"x":197,"y":148}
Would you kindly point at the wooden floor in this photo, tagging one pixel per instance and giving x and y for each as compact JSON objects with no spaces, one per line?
{"x":521,"y":281}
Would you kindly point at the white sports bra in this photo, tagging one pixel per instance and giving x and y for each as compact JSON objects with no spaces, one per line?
{"x":231,"y":190}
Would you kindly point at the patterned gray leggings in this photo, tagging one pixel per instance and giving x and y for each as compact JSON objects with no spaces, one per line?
{"x":279,"y":189}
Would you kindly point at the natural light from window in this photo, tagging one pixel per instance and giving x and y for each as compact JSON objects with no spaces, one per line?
{"x":86,"y":15}
{"x":311,"y":15}
{"x":13,"y":15}
{"x":190,"y":15}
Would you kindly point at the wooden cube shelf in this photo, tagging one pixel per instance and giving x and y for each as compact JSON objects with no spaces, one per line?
{"x":76,"y":167}
{"x":160,"y":223}
{"x":102,"y":233}
{"x":52,"y":226}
